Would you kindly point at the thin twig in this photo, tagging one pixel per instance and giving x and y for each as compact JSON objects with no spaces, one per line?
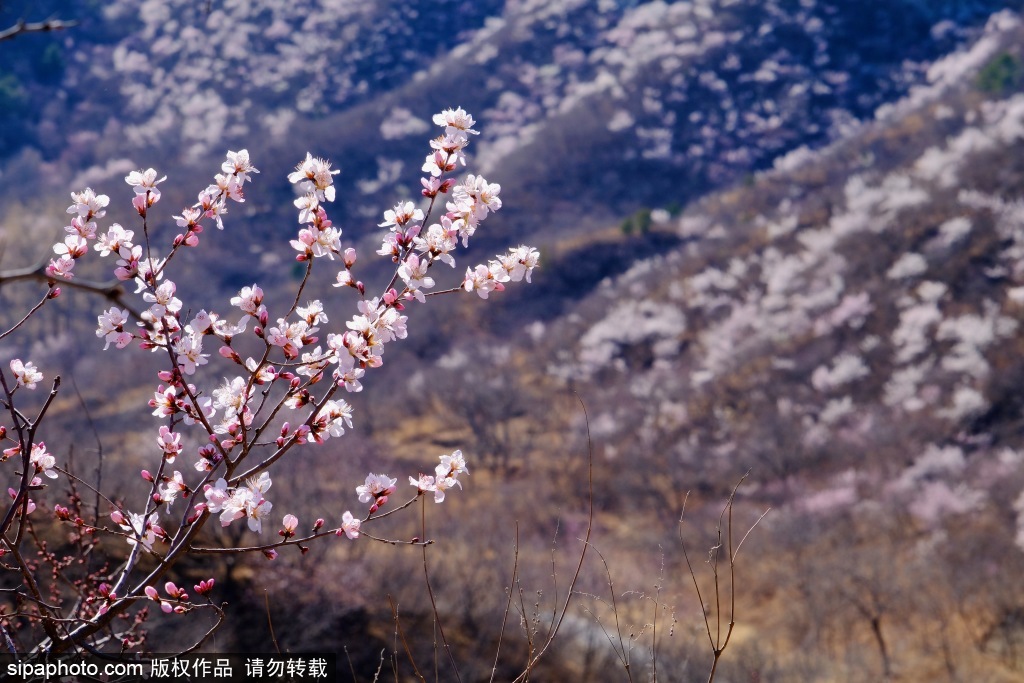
{"x":508,"y":605}
{"x":23,"y":26}
{"x":430,"y":593}
{"x":583,"y":553}
{"x":401,"y":634}
{"x":270,"y":623}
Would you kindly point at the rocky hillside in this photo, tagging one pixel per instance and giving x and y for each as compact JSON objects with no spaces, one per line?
{"x":611,"y":105}
{"x":846,"y":327}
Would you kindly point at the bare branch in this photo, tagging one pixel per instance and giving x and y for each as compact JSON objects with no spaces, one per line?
{"x":23,"y":26}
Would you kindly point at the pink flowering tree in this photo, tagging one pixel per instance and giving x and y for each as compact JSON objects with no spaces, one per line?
{"x":248,"y":410}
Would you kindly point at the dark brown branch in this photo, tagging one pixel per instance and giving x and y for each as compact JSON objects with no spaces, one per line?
{"x":113,"y":290}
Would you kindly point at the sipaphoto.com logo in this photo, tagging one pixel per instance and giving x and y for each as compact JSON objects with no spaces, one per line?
{"x":48,"y":671}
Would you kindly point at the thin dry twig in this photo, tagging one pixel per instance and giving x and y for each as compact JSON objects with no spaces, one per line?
{"x":430,"y":594}
{"x":401,"y":635}
{"x":717,"y":641}
{"x":534,"y":659}
{"x":270,"y":622}
{"x":508,"y":605}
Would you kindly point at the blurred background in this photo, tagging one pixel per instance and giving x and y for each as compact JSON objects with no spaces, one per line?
{"x":780,"y":238}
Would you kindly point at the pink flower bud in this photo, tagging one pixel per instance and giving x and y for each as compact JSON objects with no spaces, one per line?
{"x":116,"y":517}
{"x":53,"y":293}
{"x":318,"y":524}
{"x":151,"y":593}
{"x":350,"y":257}
{"x":270,"y":554}
{"x":140,"y":204}
{"x":147,"y":476}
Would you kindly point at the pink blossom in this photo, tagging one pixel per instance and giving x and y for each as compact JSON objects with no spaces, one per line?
{"x":238,"y":164}
{"x":349,"y":526}
{"x":456,"y":120}
{"x":61,"y":267}
{"x":189,"y":351}
{"x":171,"y":488}
{"x":314,"y":176}
{"x":139,"y":529}
{"x":484,"y":279}
{"x":128,"y":263}
{"x":73,"y":247}
{"x":169,"y":442}
{"x":144,"y":183}
{"x":375,"y":487}
{"x":88,"y":204}
{"x":288,"y":525}
{"x":476,"y":196}
{"x":26,"y":373}
{"x":163,"y":300}
{"x":414,"y":273}
{"x":112,"y":241}
{"x":30,"y":505}
{"x":403,"y":213}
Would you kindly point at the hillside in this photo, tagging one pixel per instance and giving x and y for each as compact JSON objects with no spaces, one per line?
{"x":847,"y":329}
{"x":609,"y":105}
{"x":781,"y":240}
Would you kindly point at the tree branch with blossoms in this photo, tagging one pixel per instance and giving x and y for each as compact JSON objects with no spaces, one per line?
{"x":260,"y":408}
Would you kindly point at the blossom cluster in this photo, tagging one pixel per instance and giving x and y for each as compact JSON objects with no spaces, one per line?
{"x":274,"y":398}
{"x":229,"y":412}
{"x":241,"y":501}
{"x":445,"y":476}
